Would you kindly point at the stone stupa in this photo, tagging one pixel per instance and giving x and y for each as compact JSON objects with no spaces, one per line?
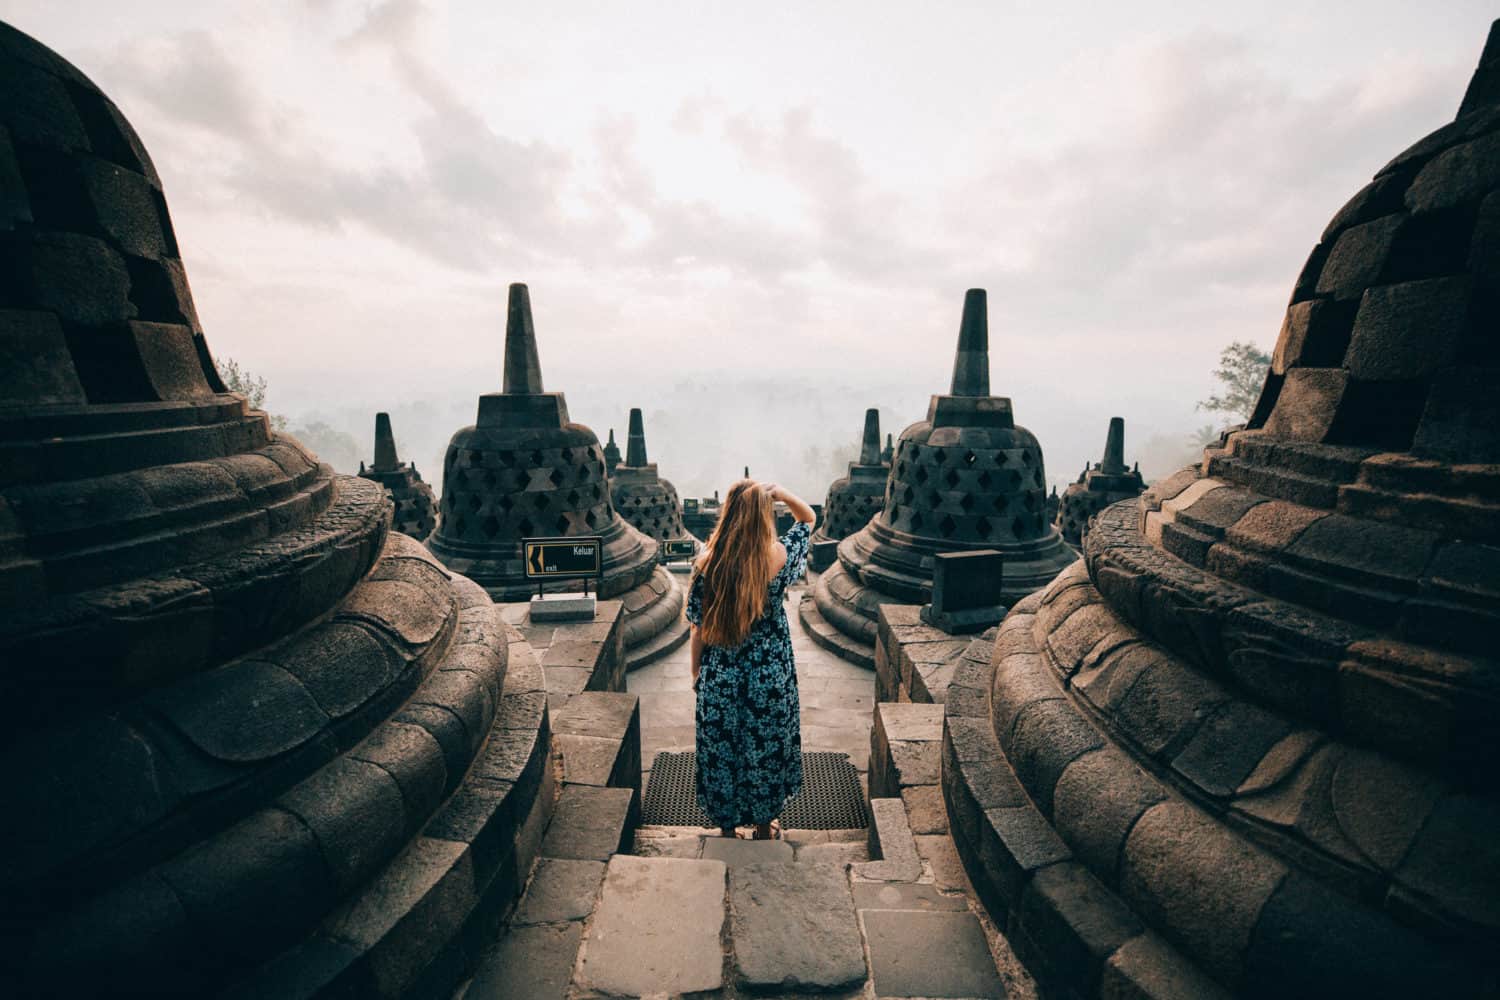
{"x":611,"y":454}
{"x":243,"y":708}
{"x":859,"y":495}
{"x":1250,"y":743}
{"x":645,"y":500}
{"x":416,"y":507}
{"x":522,"y":470}
{"x":966,"y":478}
{"x":1109,"y":481}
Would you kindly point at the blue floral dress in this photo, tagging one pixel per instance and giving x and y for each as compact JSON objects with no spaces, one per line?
{"x":749,"y":738}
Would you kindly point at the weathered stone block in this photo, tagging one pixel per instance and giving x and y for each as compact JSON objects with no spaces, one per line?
{"x":657,"y":928}
{"x":794,"y":928}
{"x":1069,"y":925}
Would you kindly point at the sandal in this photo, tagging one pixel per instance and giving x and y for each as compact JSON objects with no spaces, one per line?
{"x":774,"y":834}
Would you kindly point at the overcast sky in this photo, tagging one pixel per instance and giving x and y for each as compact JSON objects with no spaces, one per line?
{"x":719,"y":192}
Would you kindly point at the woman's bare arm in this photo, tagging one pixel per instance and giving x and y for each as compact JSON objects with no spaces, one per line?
{"x":695,"y":650}
{"x":798,"y":507}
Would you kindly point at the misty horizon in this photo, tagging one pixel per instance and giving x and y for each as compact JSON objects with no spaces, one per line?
{"x":756,"y":225}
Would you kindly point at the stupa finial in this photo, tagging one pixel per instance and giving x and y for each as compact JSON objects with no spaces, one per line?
{"x":1484,"y":85}
{"x":1114,"y":448}
{"x":385,"y":443}
{"x":869,"y":450}
{"x":635,"y":442}
{"x":523,"y":369}
{"x":971,"y":365}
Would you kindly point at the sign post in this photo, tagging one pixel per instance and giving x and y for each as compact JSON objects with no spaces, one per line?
{"x":577,"y":557}
{"x":677,"y":549}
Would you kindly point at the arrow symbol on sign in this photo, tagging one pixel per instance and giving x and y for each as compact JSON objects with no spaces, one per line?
{"x":535,"y":553}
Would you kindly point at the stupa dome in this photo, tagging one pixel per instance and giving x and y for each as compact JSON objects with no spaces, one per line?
{"x":964,"y":479}
{"x":238,"y":696}
{"x":416,"y":507}
{"x":859,"y":495}
{"x":1257,"y":724}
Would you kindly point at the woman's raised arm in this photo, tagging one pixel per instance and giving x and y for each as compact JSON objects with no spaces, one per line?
{"x":798,"y":507}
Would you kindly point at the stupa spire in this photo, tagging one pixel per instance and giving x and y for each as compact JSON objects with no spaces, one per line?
{"x":1114,"y":448}
{"x":523,"y":369}
{"x":971,"y":364}
{"x":1484,"y":85}
{"x":635,"y":442}
{"x":385,"y":443}
{"x":869,"y":450}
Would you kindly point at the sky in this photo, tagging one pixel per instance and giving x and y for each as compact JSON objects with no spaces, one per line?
{"x":754,"y":220}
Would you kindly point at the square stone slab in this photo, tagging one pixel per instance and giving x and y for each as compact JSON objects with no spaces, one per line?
{"x":736,"y":852}
{"x":533,"y":962}
{"x":905,"y":896}
{"x":794,"y":928}
{"x":590,"y":824}
{"x":657,"y":928}
{"x":561,"y":889}
{"x":915,"y":954}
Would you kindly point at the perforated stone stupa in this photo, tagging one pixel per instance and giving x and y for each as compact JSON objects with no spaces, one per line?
{"x":1109,"y":481}
{"x":859,"y":495}
{"x":244,"y":708}
{"x":523,"y":470}
{"x":1250,"y":743}
{"x":966,"y":478}
{"x":644,"y":499}
{"x":416,"y":507}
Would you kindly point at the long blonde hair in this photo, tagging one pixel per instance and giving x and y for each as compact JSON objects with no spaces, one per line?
{"x":736,"y":565}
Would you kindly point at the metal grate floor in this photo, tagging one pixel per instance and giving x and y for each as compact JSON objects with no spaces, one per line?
{"x":830,"y":798}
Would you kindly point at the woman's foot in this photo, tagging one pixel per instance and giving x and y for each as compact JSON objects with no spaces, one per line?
{"x":768,"y":831}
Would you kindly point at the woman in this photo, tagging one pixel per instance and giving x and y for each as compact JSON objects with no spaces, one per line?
{"x":749,"y":723}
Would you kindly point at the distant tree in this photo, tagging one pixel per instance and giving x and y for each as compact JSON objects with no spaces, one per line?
{"x":337,"y":448}
{"x":249,"y":385}
{"x":1241,"y":372}
{"x":1204,"y":436}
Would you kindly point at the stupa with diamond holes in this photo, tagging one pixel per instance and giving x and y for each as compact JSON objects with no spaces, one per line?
{"x":524,"y":471}
{"x":858,"y":496}
{"x":1253,"y":736}
{"x":1109,"y":481}
{"x":965,"y":478}
{"x":648,"y":502}
{"x":416,"y":507}
{"x":242,"y":708}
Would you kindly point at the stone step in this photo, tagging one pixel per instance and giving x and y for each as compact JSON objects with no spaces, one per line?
{"x":599,"y":736}
{"x":930,"y":954}
{"x":738,"y":853}
{"x":832,"y":847}
{"x":793,"y":927}
{"x":662,"y":644}
{"x":891,"y":841}
{"x":657,"y":928}
{"x":411,"y":929}
{"x":831,"y":639}
{"x":591,"y":823}
{"x":534,"y":962}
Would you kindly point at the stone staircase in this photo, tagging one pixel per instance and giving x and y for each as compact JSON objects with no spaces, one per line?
{"x":612,"y":910}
